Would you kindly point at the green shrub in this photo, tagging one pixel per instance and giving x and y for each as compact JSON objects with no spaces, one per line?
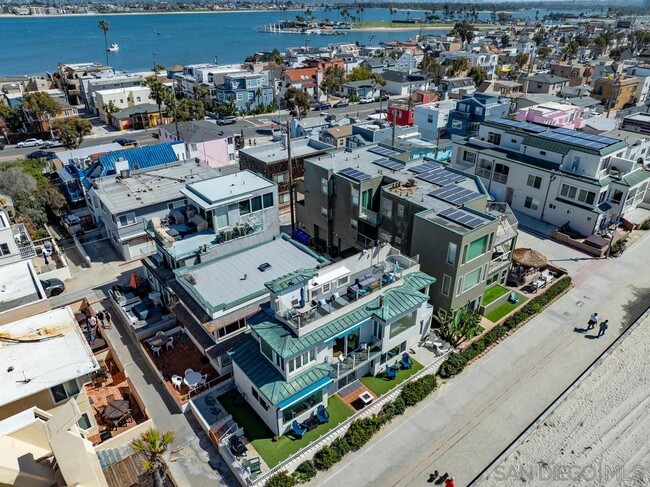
{"x":305,"y":471}
{"x":454,"y":364}
{"x":399,"y":406}
{"x":412,"y":393}
{"x":341,"y":445}
{"x":281,"y":479}
{"x":353,"y":98}
{"x":360,"y":432}
{"x":429,"y":383}
{"x":326,"y":457}
{"x":645,"y":225}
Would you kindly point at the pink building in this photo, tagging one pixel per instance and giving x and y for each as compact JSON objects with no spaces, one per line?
{"x":554,"y":114}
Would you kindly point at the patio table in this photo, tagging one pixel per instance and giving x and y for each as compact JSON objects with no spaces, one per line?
{"x":158,"y":341}
{"x":117,"y":409}
{"x":192,"y":379}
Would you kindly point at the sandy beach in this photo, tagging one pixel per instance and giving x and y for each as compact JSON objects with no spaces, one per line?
{"x":599,"y":435}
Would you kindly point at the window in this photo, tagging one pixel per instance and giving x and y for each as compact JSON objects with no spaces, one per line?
{"x":477,"y":248}
{"x":64,"y":391}
{"x":266,"y":349}
{"x":192,"y":147}
{"x":222,"y":217}
{"x":4,"y":249}
{"x":354,"y":223}
{"x":377,"y":330}
{"x":457,"y":124}
{"x":494,"y":138}
{"x":430,"y":119}
{"x":366,"y":199}
{"x":617,"y":196}
{"x":176,"y":204}
{"x":534,"y":181}
{"x":324,"y":186}
{"x":355,"y":197}
{"x":575,"y":164}
{"x":302,"y":360}
{"x":478,"y":110}
{"x":256,"y":203}
{"x":469,"y":156}
{"x":446,"y":285}
{"x":244,"y":207}
{"x":400,"y":210}
{"x":267,"y":200}
{"x":84,"y":422}
{"x":127,"y":219}
{"x":581,"y":195}
{"x":231,"y":328}
{"x":501,"y":172}
{"x":251,"y":96}
{"x":343,"y":281}
{"x":484,"y":168}
{"x":284,"y":198}
{"x":452,"y":250}
{"x":472,"y":279}
{"x":531,"y":203}
{"x":402,"y":324}
{"x":240,"y":96}
{"x":325,"y":213}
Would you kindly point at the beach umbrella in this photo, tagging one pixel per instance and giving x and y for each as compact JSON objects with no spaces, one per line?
{"x":135,"y":281}
{"x":529,"y":258}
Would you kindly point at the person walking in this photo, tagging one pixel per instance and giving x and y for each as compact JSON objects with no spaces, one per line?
{"x":100,"y":317}
{"x":602,"y":328}
{"x":107,"y":317}
{"x":593,"y":319}
{"x":93,"y":321}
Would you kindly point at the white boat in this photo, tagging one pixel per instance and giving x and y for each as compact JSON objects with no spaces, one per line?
{"x":114,"y":47}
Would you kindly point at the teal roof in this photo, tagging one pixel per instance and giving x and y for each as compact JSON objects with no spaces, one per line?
{"x":267,"y":378}
{"x":397,"y":301}
{"x":290,"y":280}
{"x":419,"y":280}
{"x":635,"y":177}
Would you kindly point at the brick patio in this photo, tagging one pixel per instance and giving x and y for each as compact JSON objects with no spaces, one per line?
{"x":352,"y":400}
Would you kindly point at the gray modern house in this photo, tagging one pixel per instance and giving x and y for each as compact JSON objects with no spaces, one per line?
{"x":354,"y":199}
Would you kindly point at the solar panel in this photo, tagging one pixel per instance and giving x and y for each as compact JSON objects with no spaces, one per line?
{"x":528,"y":127}
{"x":462,"y":217}
{"x":384,"y":151}
{"x":389,"y":164}
{"x":454,"y":195}
{"x":427,"y":166}
{"x":440,"y":177}
{"x":354,"y":174}
{"x":582,"y":135}
{"x":581,"y":139}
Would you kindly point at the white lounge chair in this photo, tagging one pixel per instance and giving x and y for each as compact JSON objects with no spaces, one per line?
{"x":177,"y":380}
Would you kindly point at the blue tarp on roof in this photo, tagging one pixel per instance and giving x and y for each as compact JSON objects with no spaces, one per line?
{"x":145,"y":157}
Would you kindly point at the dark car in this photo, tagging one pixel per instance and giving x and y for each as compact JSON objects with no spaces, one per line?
{"x":342,"y":104}
{"x":227,"y":121}
{"x":52,"y":287}
{"x":2,"y":145}
{"x":323,"y":106}
{"x":126,"y":142}
{"x":41,"y":154}
{"x":384,"y":97}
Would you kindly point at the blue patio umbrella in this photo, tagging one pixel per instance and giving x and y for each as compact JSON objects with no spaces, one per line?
{"x":91,"y":333}
{"x":302,"y":297}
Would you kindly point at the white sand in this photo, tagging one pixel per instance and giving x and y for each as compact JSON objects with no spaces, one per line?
{"x":600,"y":436}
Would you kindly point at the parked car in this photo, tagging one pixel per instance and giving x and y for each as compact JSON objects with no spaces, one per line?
{"x":369,"y":99}
{"x":52,"y":287}
{"x":126,"y":142}
{"x":49,"y":144}
{"x":29,"y":143}
{"x":323,"y":106}
{"x":41,"y":154}
{"x":342,"y":103}
{"x":384,"y":97}
{"x":226,"y":121}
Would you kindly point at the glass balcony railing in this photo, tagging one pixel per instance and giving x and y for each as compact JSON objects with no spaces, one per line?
{"x":357,"y":358}
{"x":369,"y":216}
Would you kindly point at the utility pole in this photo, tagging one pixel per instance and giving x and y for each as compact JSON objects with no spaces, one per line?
{"x":291,"y":198}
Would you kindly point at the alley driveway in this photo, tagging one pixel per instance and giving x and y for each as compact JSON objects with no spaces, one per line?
{"x":466,"y":424}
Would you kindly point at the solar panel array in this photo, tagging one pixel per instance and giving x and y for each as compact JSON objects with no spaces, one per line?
{"x":354,"y":174}
{"x":455,"y":195}
{"x":528,"y":127}
{"x":384,"y":151}
{"x":440,"y":177}
{"x":389,"y":164}
{"x":581,"y":139}
{"x":462,"y":217}
{"x":427,"y":166}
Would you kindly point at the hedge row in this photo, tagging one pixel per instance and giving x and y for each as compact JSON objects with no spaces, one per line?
{"x":358,"y":434}
{"x":456,"y":362}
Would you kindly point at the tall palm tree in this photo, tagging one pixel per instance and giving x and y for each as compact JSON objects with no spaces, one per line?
{"x":103,"y":25}
{"x":157,"y":93}
{"x":153,"y":444}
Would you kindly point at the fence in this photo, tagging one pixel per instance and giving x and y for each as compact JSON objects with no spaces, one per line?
{"x":331,"y":435}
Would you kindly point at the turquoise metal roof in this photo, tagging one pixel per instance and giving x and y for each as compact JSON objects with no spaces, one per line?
{"x":150,"y":156}
{"x":419,"y":280}
{"x":269,"y":380}
{"x":289,"y":280}
{"x":635,"y":177}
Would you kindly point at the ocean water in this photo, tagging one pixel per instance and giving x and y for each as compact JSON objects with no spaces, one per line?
{"x":35,"y":45}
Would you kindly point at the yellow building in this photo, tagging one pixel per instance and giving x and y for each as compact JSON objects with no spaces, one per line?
{"x":616,"y":93}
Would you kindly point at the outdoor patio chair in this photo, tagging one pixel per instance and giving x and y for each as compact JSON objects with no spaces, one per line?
{"x":322,"y":302}
{"x":298,"y":429}
{"x":513,"y":298}
{"x":391,"y":372}
{"x":177,"y":381}
{"x":170,"y":343}
{"x":406,"y":361}
{"x":110,"y":398}
{"x":188,"y":371}
{"x":322,"y":414}
{"x":204,"y":381}
{"x":156,"y":351}
{"x":254,"y":465}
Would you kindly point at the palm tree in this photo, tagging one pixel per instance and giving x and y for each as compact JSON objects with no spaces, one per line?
{"x":157,"y":93}
{"x":153,"y":444}
{"x":103,"y":25}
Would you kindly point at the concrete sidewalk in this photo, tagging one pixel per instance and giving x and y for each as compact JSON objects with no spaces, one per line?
{"x":461,"y":428}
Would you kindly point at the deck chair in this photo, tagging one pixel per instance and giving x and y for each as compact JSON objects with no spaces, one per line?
{"x":322,"y":414}
{"x":406,"y":361}
{"x":298,"y":429}
{"x":391,"y":372}
{"x":513,"y":298}
{"x":254,"y":465}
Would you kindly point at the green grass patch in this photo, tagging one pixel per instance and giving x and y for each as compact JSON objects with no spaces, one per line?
{"x":380,"y":385}
{"x":500,"y":311}
{"x":493,"y":293}
{"x":274,"y":452}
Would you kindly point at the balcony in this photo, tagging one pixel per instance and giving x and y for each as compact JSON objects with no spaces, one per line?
{"x":508,"y":223}
{"x":369,"y":216}
{"x":23,"y":241}
{"x":343,"y":365}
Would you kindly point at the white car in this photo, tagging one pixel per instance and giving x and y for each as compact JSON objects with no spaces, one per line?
{"x":367,"y":100}
{"x":29,"y":143}
{"x":48,"y":144}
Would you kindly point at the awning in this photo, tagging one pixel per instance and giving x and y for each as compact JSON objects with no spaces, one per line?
{"x":321,"y":279}
{"x":349,"y":330}
{"x":305,"y":393}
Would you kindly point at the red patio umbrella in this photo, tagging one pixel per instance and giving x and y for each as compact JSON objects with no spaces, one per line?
{"x":135,"y":281}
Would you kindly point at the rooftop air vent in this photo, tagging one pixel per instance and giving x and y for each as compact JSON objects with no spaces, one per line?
{"x":264,"y":267}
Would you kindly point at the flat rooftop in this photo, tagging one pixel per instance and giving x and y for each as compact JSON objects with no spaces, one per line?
{"x":282,"y":255}
{"x":150,"y":187}
{"x":277,"y":151}
{"x":19,"y":286}
{"x":67,"y":156}
{"x":41,"y":352}
{"x":217,"y":190}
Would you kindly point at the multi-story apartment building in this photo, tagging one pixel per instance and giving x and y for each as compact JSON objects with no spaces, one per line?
{"x":557,"y":175}
{"x":101,"y":81}
{"x":370,"y":308}
{"x":432,"y":118}
{"x":120,"y":98}
{"x":471,"y":110}
{"x":577,"y":74}
{"x":547,"y":84}
{"x":487,"y":61}
{"x":69,"y":78}
{"x":616,"y":93}
{"x":353,"y":199}
{"x":247,"y":89}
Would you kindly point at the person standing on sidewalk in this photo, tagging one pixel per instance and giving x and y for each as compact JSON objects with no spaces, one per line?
{"x":602,"y":328}
{"x":107,"y":317}
{"x":593,"y":319}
